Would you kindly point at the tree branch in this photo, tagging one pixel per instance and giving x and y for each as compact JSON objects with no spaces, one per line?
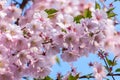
{"x":22,"y":5}
{"x":109,"y":74}
{"x":24,"y":2}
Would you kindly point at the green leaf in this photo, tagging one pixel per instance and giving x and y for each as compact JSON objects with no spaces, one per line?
{"x":97,"y":6}
{"x":63,"y":30}
{"x":77,"y":76}
{"x":78,"y":18}
{"x":36,"y":79}
{"x":111,"y":15}
{"x":117,"y":70}
{"x":47,"y":78}
{"x":87,"y":13}
{"x":110,"y":10}
{"x":71,"y":77}
{"x":51,"y":12}
{"x":110,"y":62}
{"x":58,"y":60}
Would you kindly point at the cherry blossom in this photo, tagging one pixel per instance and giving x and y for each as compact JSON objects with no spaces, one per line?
{"x":70,"y":56}
{"x":30,"y":40}
{"x":99,"y":71}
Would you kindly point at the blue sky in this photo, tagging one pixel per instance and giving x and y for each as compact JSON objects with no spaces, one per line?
{"x":82,"y":63}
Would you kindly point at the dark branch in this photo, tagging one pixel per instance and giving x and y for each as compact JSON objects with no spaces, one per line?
{"x":24,"y":2}
{"x":86,"y":76}
{"x":22,"y":6}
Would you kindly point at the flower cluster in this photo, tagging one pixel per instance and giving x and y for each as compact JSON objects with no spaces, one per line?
{"x":29,"y":48}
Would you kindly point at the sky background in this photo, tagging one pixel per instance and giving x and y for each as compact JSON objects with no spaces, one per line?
{"x":82,"y":63}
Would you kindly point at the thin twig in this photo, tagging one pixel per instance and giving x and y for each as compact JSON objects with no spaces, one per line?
{"x":22,"y":6}
{"x":24,"y":2}
{"x":109,"y":74}
{"x":108,"y":68}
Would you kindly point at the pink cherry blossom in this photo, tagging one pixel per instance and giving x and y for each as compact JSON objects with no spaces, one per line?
{"x":12,"y":11}
{"x":6,"y":76}
{"x":70,"y":56}
{"x":99,"y":16}
{"x":99,"y":71}
{"x":3,"y":51}
{"x":29,"y":43}
{"x":70,"y":38}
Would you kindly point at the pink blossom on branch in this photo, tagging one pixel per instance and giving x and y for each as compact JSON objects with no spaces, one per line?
{"x":99,"y":71}
{"x":29,"y":43}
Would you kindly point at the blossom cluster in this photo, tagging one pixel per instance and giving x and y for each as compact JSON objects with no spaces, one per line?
{"x":29,"y":43}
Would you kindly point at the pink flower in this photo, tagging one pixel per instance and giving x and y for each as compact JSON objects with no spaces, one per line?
{"x":14,"y":30}
{"x":30,"y":47}
{"x":70,"y":56}
{"x":99,"y":39}
{"x":38,"y":71}
{"x":70,"y":38}
{"x":3,"y":26}
{"x":64,"y":20}
{"x":2,"y":4}
{"x":21,"y":44}
{"x":82,"y":5}
{"x":22,"y":58}
{"x":3,"y":64}
{"x":99,"y":16}
{"x":34,"y":26}
{"x":99,"y":71}
{"x":59,"y":39}
{"x":89,"y":25}
{"x":13,"y":11}
{"x":35,"y":41}
{"x":3,"y":51}
{"x":2,"y":14}
{"x":24,"y":20}
{"x":17,"y":71}
{"x":53,"y":49}
{"x":43,"y":71}
{"x":7,"y":76}
{"x":6,"y":40}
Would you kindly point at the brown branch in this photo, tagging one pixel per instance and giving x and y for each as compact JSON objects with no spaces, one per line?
{"x":87,"y":76}
{"x":24,"y":2}
{"x":113,"y":74}
{"x":22,"y":5}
